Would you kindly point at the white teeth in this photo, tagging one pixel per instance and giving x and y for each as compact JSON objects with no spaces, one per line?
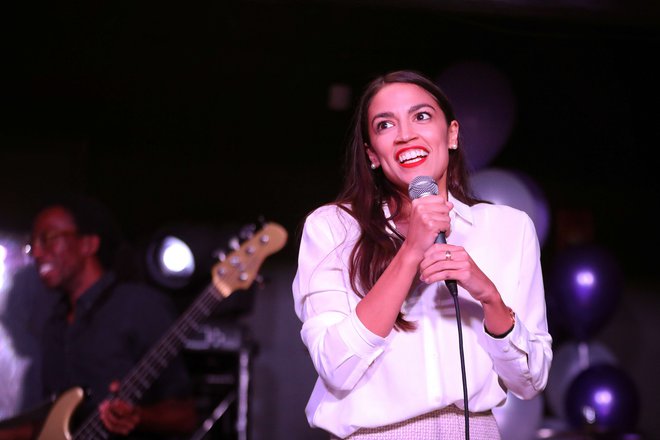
{"x":45,"y":268}
{"x":410,"y":155}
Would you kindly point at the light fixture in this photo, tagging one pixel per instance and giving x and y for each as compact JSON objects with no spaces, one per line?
{"x":175,"y":258}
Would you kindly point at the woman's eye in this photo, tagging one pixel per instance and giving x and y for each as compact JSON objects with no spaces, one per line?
{"x":383,"y":125}
{"x":422,"y":116}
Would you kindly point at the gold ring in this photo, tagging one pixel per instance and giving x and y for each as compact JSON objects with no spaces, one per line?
{"x":447,"y":255}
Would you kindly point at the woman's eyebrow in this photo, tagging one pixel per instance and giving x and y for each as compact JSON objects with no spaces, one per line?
{"x":412,"y":109}
{"x":382,"y":115}
{"x":416,"y":107}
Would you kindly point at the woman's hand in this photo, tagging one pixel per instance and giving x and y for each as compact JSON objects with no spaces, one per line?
{"x":448,"y":262}
{"x":428,"y":217}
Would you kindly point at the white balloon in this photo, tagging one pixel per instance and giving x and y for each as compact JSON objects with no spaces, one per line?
{"x":509,"y":188}
{"x":519,"y":419}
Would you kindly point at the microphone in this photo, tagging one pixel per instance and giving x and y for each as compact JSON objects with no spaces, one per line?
{"x":422,"y":186}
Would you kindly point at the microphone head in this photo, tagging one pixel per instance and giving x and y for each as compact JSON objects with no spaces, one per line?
{"x":422,"y":186}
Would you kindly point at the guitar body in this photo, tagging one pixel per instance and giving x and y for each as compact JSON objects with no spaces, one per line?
{"x":56,"y":425}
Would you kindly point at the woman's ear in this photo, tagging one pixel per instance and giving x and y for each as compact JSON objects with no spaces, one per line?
{"x":452,"y":133}
{"x":375,"y":162}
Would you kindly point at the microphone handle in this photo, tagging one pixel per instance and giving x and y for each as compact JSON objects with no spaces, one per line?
{"x":451,"y":284}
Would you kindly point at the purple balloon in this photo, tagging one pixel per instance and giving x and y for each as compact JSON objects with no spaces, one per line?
{"x":569,"y":359}
{"x":485,"y":107}
{"x":584,"y":289}
{"x":604,"y":399}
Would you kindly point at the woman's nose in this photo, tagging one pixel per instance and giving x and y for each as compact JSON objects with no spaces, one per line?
{"x":405,"y":133}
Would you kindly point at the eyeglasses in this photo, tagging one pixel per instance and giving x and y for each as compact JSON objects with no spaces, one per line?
{"x":46,"y":239}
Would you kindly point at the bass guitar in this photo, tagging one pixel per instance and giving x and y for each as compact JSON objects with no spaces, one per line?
{"x":235,"y":272}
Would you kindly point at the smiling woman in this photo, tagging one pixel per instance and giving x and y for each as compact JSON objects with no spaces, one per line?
{"x":371,"y":285}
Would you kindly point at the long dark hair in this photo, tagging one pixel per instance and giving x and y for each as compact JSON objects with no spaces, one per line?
{"x":365,"y":190}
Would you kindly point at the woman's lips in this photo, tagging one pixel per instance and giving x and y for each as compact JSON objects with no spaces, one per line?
{"x":411,"y":157}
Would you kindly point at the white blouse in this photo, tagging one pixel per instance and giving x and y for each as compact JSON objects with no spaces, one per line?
{"x":369,"y":381}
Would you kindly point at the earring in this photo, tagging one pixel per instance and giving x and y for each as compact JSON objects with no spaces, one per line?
{"x":453,"y":146}
{"x":373,"y":166}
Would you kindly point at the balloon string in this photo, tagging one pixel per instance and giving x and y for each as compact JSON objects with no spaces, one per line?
{"x":583,"y":355}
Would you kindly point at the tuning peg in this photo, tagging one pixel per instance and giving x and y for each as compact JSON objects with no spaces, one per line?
{"x":234,"y":243}
{"x":219,"y":255}
{"x":247,"y":231}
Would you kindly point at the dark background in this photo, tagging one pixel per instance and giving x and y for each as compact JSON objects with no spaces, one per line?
{"x":217,"y":113}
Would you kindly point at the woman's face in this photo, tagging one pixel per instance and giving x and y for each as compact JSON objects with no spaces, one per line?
{"x":408,"y":135}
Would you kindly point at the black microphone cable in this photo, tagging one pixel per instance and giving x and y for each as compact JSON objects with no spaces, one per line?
{"x":466,"y":411}
{"x":422,"y":186}
{"x":453,"y":289}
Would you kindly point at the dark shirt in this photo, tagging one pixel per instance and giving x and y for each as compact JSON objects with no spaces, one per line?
{"x":115,"y":324}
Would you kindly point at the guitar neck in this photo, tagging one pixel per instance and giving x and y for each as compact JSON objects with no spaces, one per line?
{"x":236,"y":272}
{"x":142,"y":376}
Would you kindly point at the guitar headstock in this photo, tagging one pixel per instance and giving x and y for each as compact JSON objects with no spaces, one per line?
{"x":238,"y":269}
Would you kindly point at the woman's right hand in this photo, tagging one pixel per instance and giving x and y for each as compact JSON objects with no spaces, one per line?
{"x":428,"y":217}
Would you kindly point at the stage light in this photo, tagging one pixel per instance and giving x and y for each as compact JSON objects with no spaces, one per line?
{"x":3,"y":256}
{"x":12,"y":256}
{"x":176,"y":255}
{"x":176,"y":258}
{"x":14,"y":306}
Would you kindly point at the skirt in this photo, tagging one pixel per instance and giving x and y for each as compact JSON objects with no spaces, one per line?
{"x":443,"y":424}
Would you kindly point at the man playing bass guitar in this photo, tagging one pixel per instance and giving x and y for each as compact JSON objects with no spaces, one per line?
{"x":101,"y":327}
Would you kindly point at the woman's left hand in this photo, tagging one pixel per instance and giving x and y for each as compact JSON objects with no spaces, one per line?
{"x":448,"y":262}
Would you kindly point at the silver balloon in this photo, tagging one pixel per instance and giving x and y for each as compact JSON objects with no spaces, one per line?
{"x":541,"y":214}
{"x":519,"y":419}
{"x":515,"y":189}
